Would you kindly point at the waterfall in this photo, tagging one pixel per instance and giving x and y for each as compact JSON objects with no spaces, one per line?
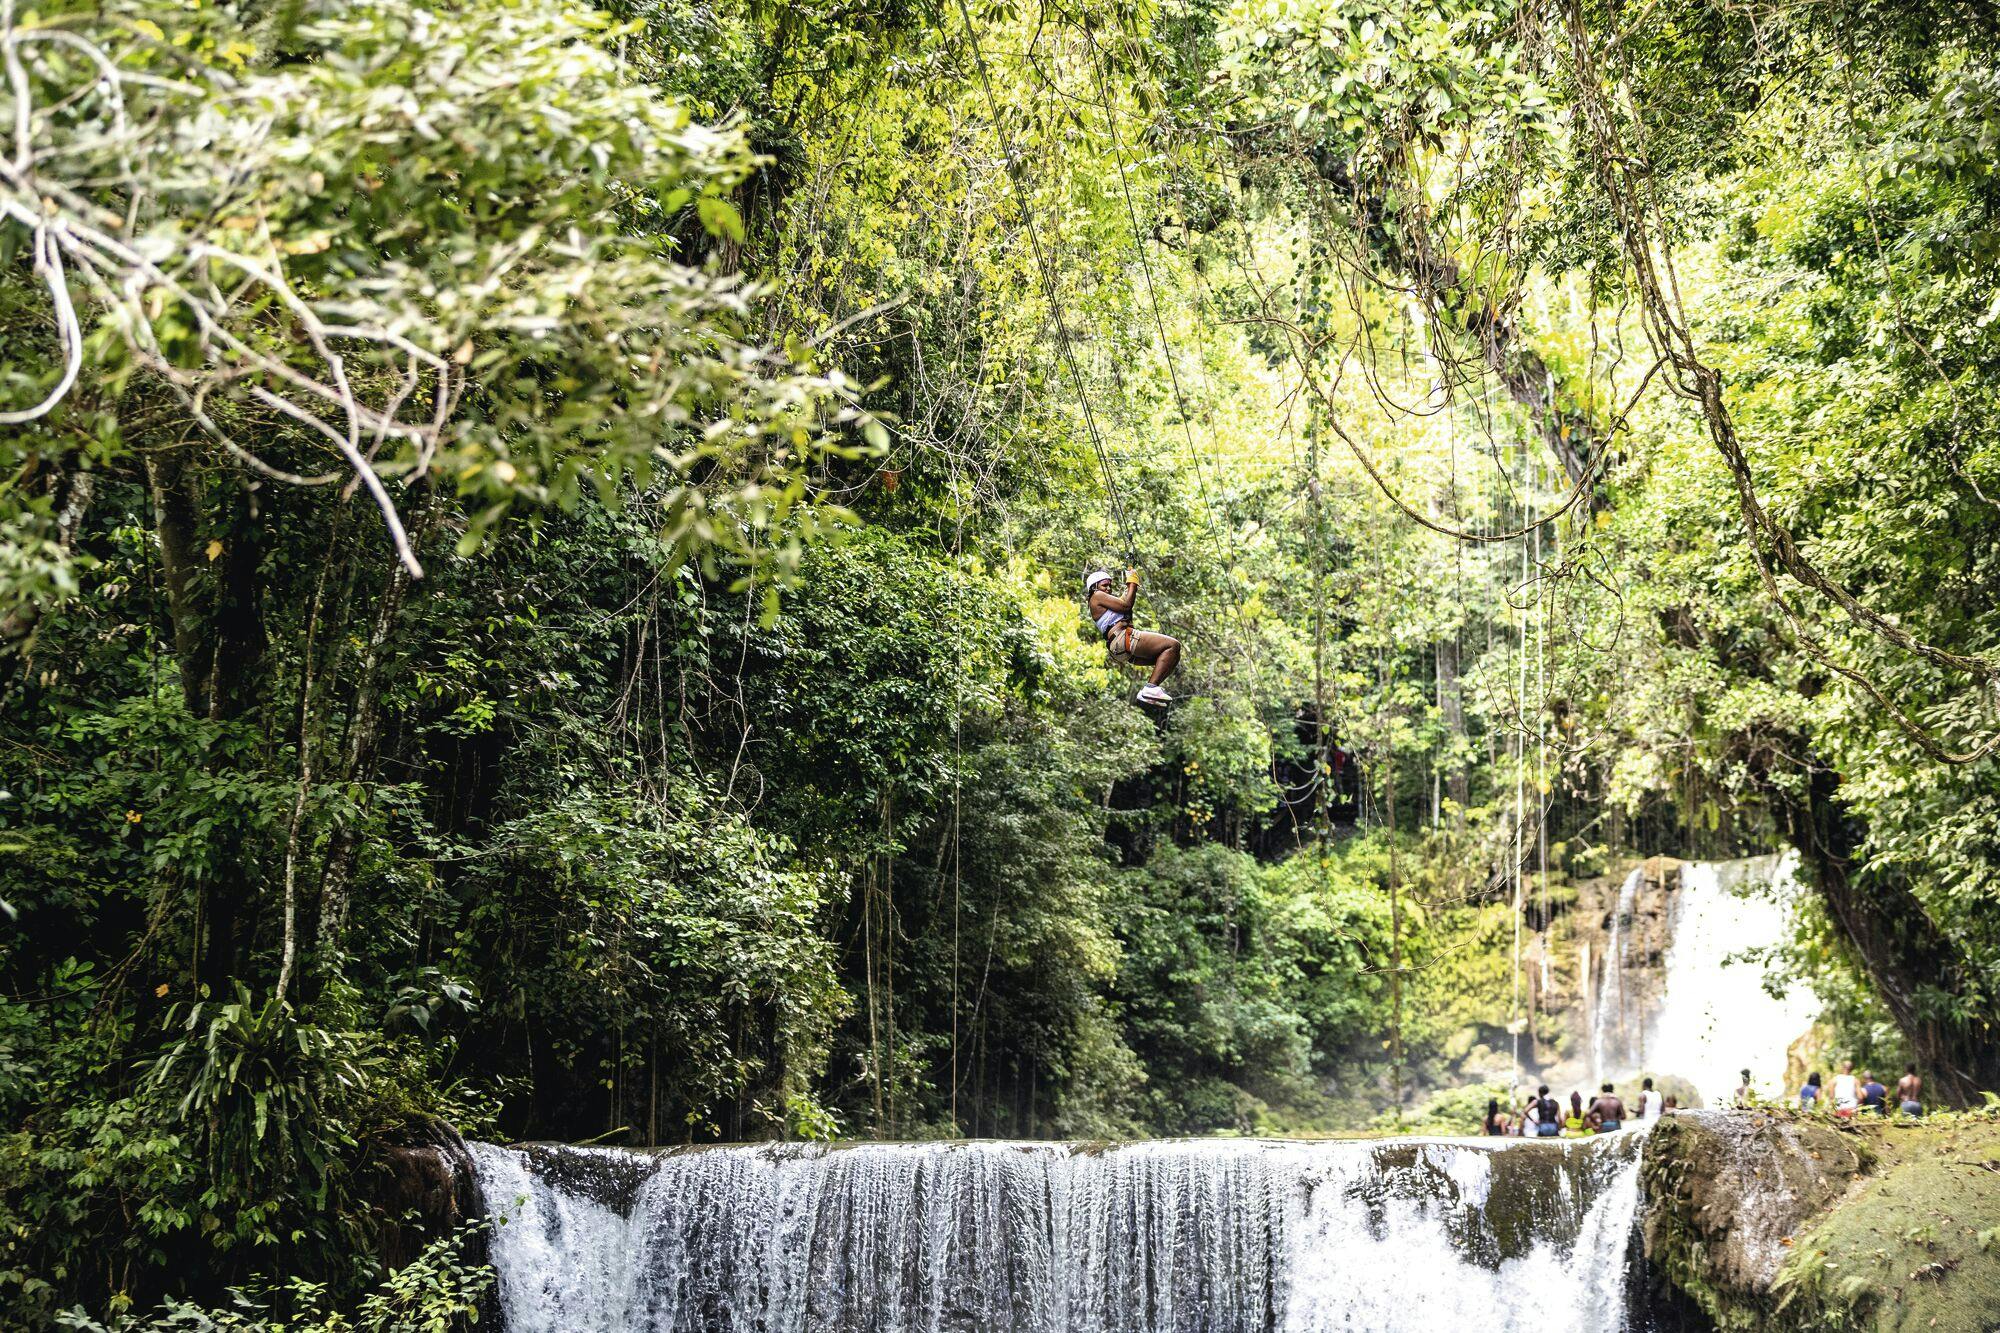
{"x":1197,"y":1236}
{"x":1716,"y":1018}
{"x":1609,"y":1061}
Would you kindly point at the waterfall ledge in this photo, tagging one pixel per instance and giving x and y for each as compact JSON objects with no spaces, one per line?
{"x":1196,"y":1236}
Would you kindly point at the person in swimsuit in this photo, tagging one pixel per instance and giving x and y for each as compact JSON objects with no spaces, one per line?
{"x":1129,"y":645}
{"x":1910,"y":1092}
{"x":1607,"y":1113}
{"x":1574,"y":1122}
{"x":1548,"y":1114}
{"x":1809,"y":1094}
{"x":1497,"y":1120}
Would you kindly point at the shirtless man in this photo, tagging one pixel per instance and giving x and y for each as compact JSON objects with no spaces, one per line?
{"x":1910,"y":1092}
{"x":1607,"y":1112}
{"x":1111,"y":613}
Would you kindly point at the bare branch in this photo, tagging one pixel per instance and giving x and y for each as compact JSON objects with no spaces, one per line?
{"x":76,"y":239}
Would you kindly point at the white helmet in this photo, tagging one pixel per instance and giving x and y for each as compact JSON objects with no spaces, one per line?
{"x":1094,"y":578}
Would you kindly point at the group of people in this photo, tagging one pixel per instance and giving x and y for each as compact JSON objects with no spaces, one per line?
{"x":1542,"y":1116}
{"x":1862,"y":1094}
{"x":1850,"y":1095}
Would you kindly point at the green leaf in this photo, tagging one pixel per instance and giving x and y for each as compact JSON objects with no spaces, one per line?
{"x":720,"y":217}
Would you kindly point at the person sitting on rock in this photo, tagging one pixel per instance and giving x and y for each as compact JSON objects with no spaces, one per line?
{"x":1607,"y":1113}
{"x":1910,"y":1092}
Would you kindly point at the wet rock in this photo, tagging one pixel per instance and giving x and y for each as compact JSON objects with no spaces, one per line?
{"x":1727,"y":1192}
{"x":427,"y":1189}
{"x":610,"y":1176}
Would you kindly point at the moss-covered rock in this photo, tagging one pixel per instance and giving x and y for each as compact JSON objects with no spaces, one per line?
{"x":1774,"y":1221}
{"x":1915,"y":1245}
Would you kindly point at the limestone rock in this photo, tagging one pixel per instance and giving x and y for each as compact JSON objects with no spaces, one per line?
{"x":1726,"y":1192}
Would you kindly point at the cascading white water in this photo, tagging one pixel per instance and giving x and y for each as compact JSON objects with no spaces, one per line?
{"x":1716,"y":1018}
{"x":1610,"y":1046}
{"x":1198,"y":1236}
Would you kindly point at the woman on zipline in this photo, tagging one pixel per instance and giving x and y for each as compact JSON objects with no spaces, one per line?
{"x":1129,"y":645}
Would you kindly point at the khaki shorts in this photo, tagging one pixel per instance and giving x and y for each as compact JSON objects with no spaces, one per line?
{"x":1119,"y":643}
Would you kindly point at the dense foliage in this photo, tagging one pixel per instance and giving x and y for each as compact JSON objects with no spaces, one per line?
{"x":539,"y":554}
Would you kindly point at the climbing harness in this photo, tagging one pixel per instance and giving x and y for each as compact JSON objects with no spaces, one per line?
{"x":1121,"y":635}
{"x":1112,"y":624}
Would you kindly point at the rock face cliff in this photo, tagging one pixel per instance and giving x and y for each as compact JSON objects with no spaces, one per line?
{"x":425,"y":1189}
{"x":1726,"y":1194}
{"x":1775,"y":1221}
{"x":1593,"y":974}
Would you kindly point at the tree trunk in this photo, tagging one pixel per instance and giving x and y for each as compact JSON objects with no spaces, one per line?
{"x":336,"y":882}
{"x":215,"y":603}
{"x":174,"y":516}
{"x":357,"y":762}
{"x":1914,"y":966}
{"x":236,"y":684}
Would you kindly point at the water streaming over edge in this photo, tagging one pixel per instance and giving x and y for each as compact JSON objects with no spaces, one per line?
{"x":1716,"y":1018}
{"x":1194,"y":1236}
{"x":1607,"y":1060}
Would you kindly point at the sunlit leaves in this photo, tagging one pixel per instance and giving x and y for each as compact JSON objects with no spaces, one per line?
{"x":1343,"y":74}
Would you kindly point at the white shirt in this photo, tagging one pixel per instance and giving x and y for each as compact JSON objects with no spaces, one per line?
{"x":1649,"y":1104}
{"x":1846,"y":1092}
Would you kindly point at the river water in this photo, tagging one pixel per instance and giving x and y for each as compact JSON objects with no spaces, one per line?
{"x":1182,"y":1236}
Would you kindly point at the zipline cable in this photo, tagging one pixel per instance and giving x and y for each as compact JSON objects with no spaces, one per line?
{"x":1152,"y":292}
{"x":1049,"y":280}
{"x":1223,"y":564}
